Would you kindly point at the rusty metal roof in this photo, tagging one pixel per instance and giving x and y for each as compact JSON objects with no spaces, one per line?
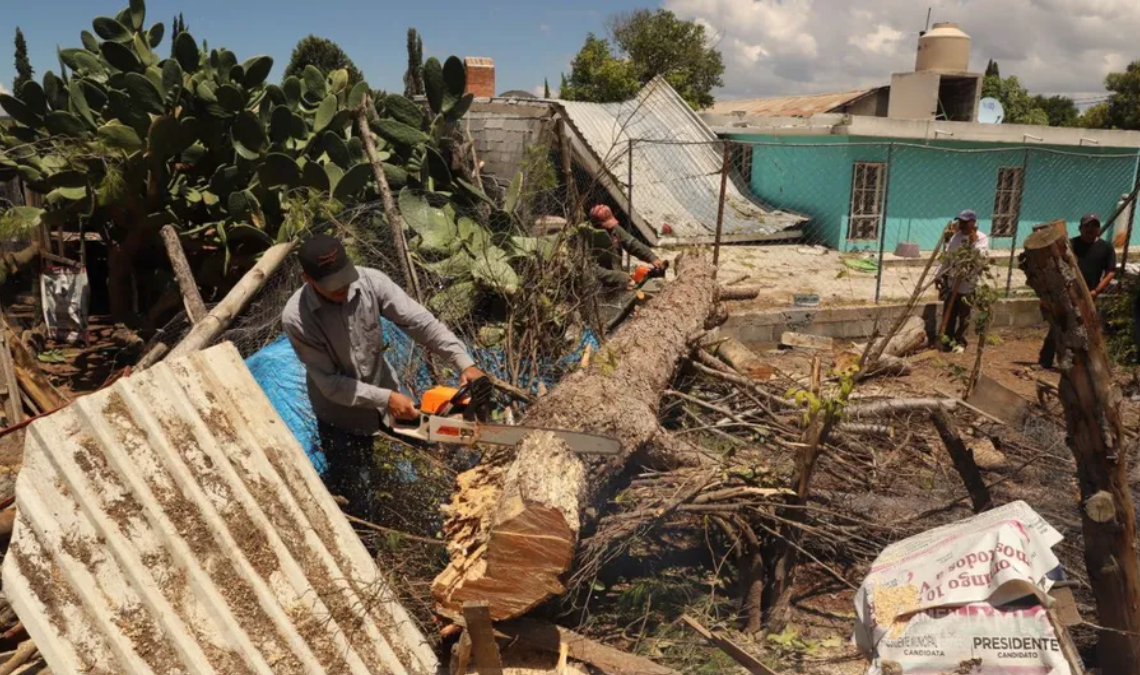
{"x":172,"y":524}
{"x":677,"y":162}
{"x":789,"y":106}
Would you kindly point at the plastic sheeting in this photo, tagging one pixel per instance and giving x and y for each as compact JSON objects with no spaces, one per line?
{"x":281,"y":376}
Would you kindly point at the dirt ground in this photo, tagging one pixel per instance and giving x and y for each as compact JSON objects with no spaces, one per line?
{"x":783,"y":271}
{"x":914,"y":474}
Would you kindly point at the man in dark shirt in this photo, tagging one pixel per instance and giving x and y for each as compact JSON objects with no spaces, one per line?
{"x":1097,"y":261}
{"x":610,"y":239}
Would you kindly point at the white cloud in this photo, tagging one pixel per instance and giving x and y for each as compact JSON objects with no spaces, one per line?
{"x":539,"y":90}
{"x":774,"y":47}
{"x":885,"y":40}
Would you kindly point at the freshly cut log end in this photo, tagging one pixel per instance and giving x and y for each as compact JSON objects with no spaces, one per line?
{"x":513,"y":527}
{"x":532,"y":532}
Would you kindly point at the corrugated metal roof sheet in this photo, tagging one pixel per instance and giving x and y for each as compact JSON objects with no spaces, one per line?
{"x":172,"y":524}
{"x":677,"y":163}
{"x":788,"y":106}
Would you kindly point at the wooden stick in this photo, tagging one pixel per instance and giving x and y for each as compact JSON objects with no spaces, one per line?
{"x":898,"y":405}
{"x":477,"y":615}
{"x":740,"y":293}
{"x":968,"y":406}
{"x":24,"y":652}
{"x":873,"y":357}
{"x":208,"y":329}
{"x":391,"y":213}
{"x":550,"y":638}
{"x":191,"y":298}
{"x":750,"y":663}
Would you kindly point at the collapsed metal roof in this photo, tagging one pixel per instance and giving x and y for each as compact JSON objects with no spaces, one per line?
{"x":172,"y":524}
{"x":790,"y":106}
{"x":676,"y":170}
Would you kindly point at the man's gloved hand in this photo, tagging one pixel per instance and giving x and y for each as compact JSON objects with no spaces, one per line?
{"x":659,"y":264}
{"x":401,"y":407}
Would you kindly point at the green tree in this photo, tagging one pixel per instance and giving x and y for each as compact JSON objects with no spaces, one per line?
{"x":1123,"y":110}
{"x":24,"y":72}
{"x":992,"y":69}
{"x":414,"y":77}
{"x":1019,"y":106}
{"x":658,"y":43}
{"x":1060,"y":110}
{"x":323,"y":53}
{"x":599,"y":76}
{"x":1096,"y":117}
{"x":545,"y":88}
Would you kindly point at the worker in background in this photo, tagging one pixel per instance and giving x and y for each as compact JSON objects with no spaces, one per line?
{"x":1096,"y":259}
{"x":333,"y":323}
{"x":607,"y":249}
{"x":958,"y":296}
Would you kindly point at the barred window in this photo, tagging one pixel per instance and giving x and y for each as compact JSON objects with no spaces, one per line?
{"x":867,"y":185}
{"x":1007,"y":200}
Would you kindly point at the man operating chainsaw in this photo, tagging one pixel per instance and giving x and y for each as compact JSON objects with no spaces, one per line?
{"x":608,"y":246}
{"x":333,"y":323}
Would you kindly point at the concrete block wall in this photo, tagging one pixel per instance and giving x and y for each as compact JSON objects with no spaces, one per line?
{"x":858,"y":322}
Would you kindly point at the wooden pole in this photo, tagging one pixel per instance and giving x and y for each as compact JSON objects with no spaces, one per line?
{"x":1096,"y":438}
{"x":195,"y":308}
{"x":720,"y":205}
{"x":477,"y":616}
{"x":209,"y":328}
{"x":572,"y":208}
{"x":963,"y":460}
{"x":391,"y":213}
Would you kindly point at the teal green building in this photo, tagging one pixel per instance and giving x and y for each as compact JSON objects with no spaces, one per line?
{"x":861,"y":191}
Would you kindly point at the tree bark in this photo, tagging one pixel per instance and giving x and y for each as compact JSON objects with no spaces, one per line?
{"x":910,"y":337}
{"x":963,"y":461}
{"x":208,"y":329}
{"x":514,"y":524}
{"x":1096,"y":438}
{"x":191,"y":298}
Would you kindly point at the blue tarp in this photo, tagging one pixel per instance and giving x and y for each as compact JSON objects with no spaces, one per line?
{"x":282,"y":377}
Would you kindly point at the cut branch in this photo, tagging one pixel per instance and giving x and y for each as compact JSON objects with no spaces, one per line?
{"x":208,"y":329}
{"x":963,"y":461}
{"x":191,"y":298}
{"x":513,"y":529}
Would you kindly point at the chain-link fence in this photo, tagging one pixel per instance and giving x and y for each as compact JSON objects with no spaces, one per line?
{"x":855,"y":221}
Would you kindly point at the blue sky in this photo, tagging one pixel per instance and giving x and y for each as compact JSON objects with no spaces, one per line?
{"x":528,"y":40}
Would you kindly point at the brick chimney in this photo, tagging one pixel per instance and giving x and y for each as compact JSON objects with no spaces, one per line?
{"x":480,"y":76}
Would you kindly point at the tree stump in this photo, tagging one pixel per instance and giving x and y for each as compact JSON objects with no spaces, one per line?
{"x":1096,"y":438}
{"x":513,"y":524}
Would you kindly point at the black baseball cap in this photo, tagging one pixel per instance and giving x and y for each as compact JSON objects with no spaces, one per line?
{"x":1090,"y":218}
{"x":325,"y":261}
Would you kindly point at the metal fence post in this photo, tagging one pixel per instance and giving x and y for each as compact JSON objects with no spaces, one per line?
{"x":1017,"y":222}
{"x":629,"y":198}
{"x":720,"y":206}
{"x":1131,"y":221}
{"x":883,"y":222}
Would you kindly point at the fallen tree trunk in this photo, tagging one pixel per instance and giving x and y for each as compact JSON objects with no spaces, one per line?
{"x":738,"y":293}
{"x":513,"y":525}
{"x":1096,"y":438}
{"x":550,"y":638}
{"x":898,"y":405}
{"x":910,"y":337}
{"x":207,"y":330}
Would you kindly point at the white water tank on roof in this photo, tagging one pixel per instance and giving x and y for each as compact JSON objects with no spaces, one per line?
{"x":944,"y":48}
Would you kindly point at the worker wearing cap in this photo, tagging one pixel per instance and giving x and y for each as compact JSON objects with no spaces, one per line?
{"x":607,"y":253}
{"x":958,"y":297}
{"x":333,"y":323}
{"x":1097,"y":261}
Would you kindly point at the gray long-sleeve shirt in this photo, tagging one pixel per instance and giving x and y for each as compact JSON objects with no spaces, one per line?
{"x":342,"y":347}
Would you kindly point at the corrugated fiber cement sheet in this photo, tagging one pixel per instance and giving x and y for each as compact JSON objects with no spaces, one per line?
{"x":677,"y":162}
{"x":172,"y":524}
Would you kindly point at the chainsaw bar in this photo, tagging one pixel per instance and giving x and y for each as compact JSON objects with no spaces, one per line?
{"x":436,"y":429}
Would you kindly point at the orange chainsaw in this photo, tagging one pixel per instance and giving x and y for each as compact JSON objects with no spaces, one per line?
{"x":644,"y":272}
{"x":459,"y":417}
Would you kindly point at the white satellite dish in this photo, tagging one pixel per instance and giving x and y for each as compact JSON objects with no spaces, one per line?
{"x":990,"y":111}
